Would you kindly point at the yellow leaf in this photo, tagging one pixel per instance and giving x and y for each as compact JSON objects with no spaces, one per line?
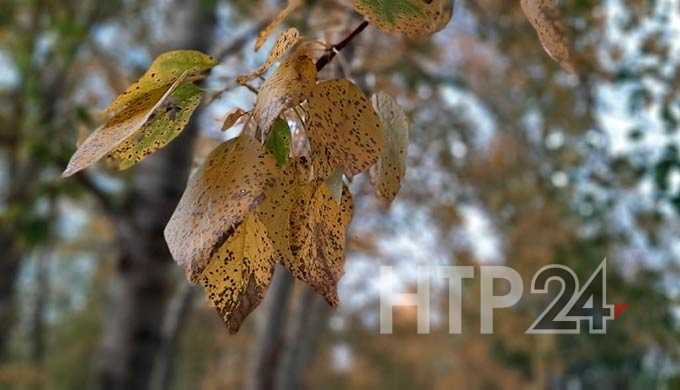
{"x":119,"y":128}
{"x":289,"y":85}
{"x":413,"y":18}
{"x":166,"y":123}
{"x":229,"y":185}
{"x":318,"y":237}
{"x":164,"y":70}
{"x":343,"y":129}
{"x":239,"y":272}
{"x":544,"y":16}
{"x":286,"y":40}
{"x":280,"y":17}
{"x":387,"y":173}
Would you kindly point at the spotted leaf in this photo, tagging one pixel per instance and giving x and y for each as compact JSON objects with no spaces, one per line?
{"x":239,"y":272}
{"x":343,"y":129}
{"x":285,"y":42}
{"x":387,"y":173}
{"x":289,"y":85}
{"x":413,"y":18}
{"x":166,"y":123}
{"x":227,"y":187}
{"x":278,"y":19}
{"x":318,"y":237}
{"x":544,"y":16}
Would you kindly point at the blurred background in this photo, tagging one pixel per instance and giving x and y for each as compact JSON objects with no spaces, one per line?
{"x":512,"y":161}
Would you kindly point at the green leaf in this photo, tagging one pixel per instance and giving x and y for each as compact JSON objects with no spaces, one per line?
{"x":413,"y":18}
{"x":163,"y":126}
{"x":278,"y":141}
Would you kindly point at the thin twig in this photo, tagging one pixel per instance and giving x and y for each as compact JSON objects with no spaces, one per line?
{"x":335,"y":49}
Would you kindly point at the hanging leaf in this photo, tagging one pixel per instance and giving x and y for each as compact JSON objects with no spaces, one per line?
{"x":387,"y":173}
{"x":278,"y":142}
{"x":164,"y":71}
{"x":343,"y":129}
{"x":335,"y":185}
{"x":288,"y":86}
{"x":280,"y":17}
{"x":136,"y":106}
{"x":318,"y":237}
{"x":239,"y":272}
{"x":230,"y":184}
{"x":166,"y":123}
{"x":544,"y":16}
{"x":232,"y":118}
{"x":413,"y":18}
{"x":286,"y":40}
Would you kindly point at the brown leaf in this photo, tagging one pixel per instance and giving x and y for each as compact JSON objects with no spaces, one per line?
{"x":280,"y":17}
{"x":318,"y":237}
{"x":387,"y":173}
{"x":289,"y":85}
{"x":239,"y":272}
{"x":286,"y":40}
{"x":544,"y":16}
{"x":232,"y":118}
{"x":230,"y":184}
{"x":343,"y":129}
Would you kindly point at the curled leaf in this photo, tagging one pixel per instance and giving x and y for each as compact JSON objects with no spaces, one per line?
{"x":227,"y":187}
{"x":166,"y":123}
{"x":286,"y":40}
{"x":413,"y":18}
{"x":343,"y":129}
{"x":232,"y":118}
{"x":289,"y":85}
{"x":387,"y":173}
{"x":544,"y":16}
{"x":280,"y":17}
{"x":239,"y":272}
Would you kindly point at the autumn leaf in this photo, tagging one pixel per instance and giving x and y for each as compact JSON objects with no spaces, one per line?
{"x":139,"y":104}
{"x":278,"y":142}
{"x":285,"y":42}
{"x":232,"y":118}
{"x":544,"y":16}
{"x":229,"y":185}
{"x":387,"y":173}
{"x":280,"y":17}
{"x":318,"y":225}
{"x":413,"y":18}
{"x":288,"y":86}
{"x":166,"y":123}
{"x":239,"y":272}
{"x":343,"y":129}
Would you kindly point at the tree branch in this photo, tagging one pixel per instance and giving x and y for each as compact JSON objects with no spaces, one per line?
{"x":335,"y":49}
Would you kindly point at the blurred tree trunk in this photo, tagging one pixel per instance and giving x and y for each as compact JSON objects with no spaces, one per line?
{"x":142,"y":286}
{"x":270,"y":339}
{"x":307,"y":328}
{"x":9,"y":268}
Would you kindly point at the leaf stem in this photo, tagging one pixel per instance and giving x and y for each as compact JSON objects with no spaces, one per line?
{"x":335,"y":49}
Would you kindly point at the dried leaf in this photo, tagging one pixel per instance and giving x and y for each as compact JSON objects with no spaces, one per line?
{"x":239,"y":272}
{"x":413,"y":18}
{"x":230,"y":184}
{"x":544,"y":16}
{"x":280,"y":17}
{"x":232,"y":117}
{"x":166,"y":123}
{"x":335,"y":185}
{"x":119,"y":128}
{"x":289,"y":85}
{"x":278,"y":142}
{"x":164,"y":70}
{"x":318,"y":238}
{"x":343,"y":129}
{"x":286,"y":40}
{"x":387,"y":173}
